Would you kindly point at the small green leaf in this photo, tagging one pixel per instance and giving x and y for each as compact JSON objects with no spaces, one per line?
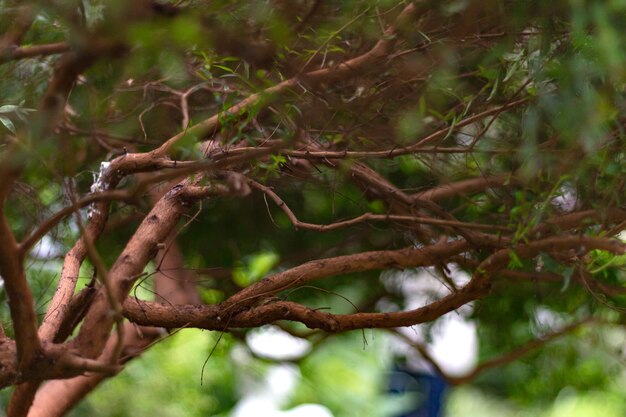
{"x":494,"y":89}
{"x":377,"y":206}
{"x":211,"y":296}
{"x":256,"y":268}
{"x":224,"y":68}
{"x":8,"y":108}
{"x":8,"y":124}
{"x":514,"y":260}
{"x":567,"y":277}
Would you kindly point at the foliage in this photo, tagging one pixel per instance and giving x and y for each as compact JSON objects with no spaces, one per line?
{"x":225,"y":165}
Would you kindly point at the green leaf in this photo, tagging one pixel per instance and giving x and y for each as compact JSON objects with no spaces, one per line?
{"x":224,"y":68}
{"x":258,"y":266}
{"x":567,"y":277}
{"x":514,"y":260}
{"x":8,"y":108}
{"x":377,"y":206}
{"x":8,"y":124}
{"x":494,"y":89}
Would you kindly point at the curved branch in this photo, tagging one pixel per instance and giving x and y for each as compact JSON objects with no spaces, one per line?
{"x":610,"y":215}
{"x":141,"y":248}
{"x":366,"y":217}
{"x":118,"y":169}
{"x":494,"y":362}
{"x":138,"y":163}
{"x":219,"y":318}
{"x":423,"y":351}
{"x":472,"y":185}
{"x":360,"y":262}
{"x":517,"y":353}
{"x":580,"y":244}
{"x":174,"y":287}
{"x":21,"y":303}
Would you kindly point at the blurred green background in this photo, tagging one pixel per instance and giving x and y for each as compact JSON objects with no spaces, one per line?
{"x":345,"y":375}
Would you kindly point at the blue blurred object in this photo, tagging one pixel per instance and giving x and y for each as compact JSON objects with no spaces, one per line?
{"x":429,"y":391}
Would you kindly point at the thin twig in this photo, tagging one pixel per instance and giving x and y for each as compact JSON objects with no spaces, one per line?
{"x":366,"y":217}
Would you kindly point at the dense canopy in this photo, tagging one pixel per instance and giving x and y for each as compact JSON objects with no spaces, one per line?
{"x":225,"y":165}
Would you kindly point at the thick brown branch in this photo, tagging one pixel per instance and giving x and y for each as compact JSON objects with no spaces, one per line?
{"x":34,"y":50}
{"x":399,"y":202}
{"x":221,"y":317}
{"x":360,"y":262}
{"x":56,"y":398}
{"x":22,"y":398}
{"x":174,"y":287}
{"x":118,"y":169}
{"x":20,"y":298}
{"x":141,"y":248}
{"x":58,"y":306}
{"x":103,"y":277}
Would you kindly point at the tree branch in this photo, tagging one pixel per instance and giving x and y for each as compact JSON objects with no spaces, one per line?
{"x":20,"y":298}
{"x":55,"y":398}
{"x":264,"y":98}
{"x":341,"y":265}
{"x":141,"y":248}
{"x":173,"y":286}
{"x":467,"y":186}
{"x":366,"y":217}
{"x":33,"y":51}
{"x":517,"y":353}
{"x":222,"y":318}
{"x":21,"y":21}
{"x":580,"y":244}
